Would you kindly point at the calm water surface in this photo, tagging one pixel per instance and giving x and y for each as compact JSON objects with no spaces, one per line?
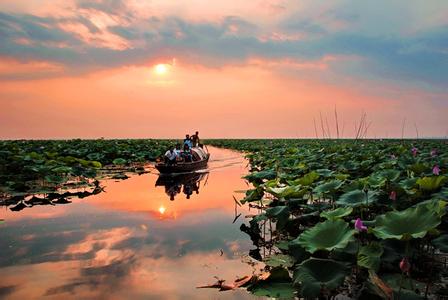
{"x":131,"y":241}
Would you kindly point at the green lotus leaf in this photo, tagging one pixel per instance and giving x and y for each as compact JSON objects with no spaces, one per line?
{"x":413,"y":222}
{"x":287,"y":192}
{"x":337,"y":213}
{"x":328,"y":235}
{"x":279,"y":260}
{"x":437,"y":206}
{"x":369,"y":256}
{"x":418,"y":168}
{"x":430,"y":183}
{"x":324,"y":172}
{"x":258,"y":176}
{"x":376,"y":181}
{"x":341,"y":176}
{"x":408,"y":184}
{"x":62,"y":170}
{"x":314,"y":274}
{"x":96,"y":164}
{"x":277,"y":285}
{"x":328,"y":187}
{"x":297,"y":251}
{"x":253,"y":195}
{"x":281,"y":213}
{"x":119,"y":161}
{"x":357,"y":198}
{"x":390,"y":174}
{"x":307,"y":179}
{"x":441,"y":243}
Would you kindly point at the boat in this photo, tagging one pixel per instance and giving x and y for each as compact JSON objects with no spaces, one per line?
{"x":200,"y":160}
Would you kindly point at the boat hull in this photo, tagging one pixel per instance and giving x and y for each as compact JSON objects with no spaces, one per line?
{"x":183,"y":167}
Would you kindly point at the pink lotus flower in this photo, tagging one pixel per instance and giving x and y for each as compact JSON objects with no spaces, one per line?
{"x":414,"y":151}
{"x":405,"y":266}
{"x":393,"y":195}
{"x":433,"y":152}
{"x":436,"y":170}
{"x":359,"y":225}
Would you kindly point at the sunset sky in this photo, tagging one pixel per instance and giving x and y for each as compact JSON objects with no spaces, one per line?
{"x":262,"y":68}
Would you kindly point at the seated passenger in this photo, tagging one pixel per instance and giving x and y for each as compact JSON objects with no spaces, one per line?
{"x":178,"y":152}
{"x":170,"y":156}
{"x":186,"y":154}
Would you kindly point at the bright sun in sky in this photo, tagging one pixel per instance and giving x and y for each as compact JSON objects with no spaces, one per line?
{"x":161,"y":69}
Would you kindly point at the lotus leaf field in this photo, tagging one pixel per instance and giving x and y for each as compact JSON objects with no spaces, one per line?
{"x":362,"y":218}
{"x":366,"y":219}
{"x":38,"y":166}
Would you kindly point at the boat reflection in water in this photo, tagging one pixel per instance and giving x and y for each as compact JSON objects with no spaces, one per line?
{"x":186,"y":183}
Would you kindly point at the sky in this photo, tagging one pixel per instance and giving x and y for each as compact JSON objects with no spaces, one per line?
{"x":230,"y":69}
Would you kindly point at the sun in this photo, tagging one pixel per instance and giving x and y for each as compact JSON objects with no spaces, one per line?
{"x":161,"y":69}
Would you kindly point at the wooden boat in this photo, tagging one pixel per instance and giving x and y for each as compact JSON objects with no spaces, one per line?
{"x":200,"y":160}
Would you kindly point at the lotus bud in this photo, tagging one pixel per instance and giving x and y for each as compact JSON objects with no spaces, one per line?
{"x":405,"y":266}
{"x":393,"y":195}
{"x":433,"y":152}
{"x":436,"y":170}
{"x":359,"y":225}
{"x":414,"y":151}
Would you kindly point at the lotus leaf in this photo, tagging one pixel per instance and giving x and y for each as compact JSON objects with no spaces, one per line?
{"x":279,"y":260}
{"x":277,"y":285}
{"x":328,"y":235}
{"x":258,"y":176}
{"x":324,"y":172}
{"x":253,"y":195}
{"x":314,"y":274}
{"x":307,"y":179}
{"x":413,"y":222}
{"x":281,"y":213}
{"x":430,"y":183}
{"x":328,"y":187}
{"x":408,"y":184}
{"x":337,"y":213}
{"x":119,"y":161}
{"x":369,"y":256}
{"x":357,"y":198}
{"x":287,"y":192}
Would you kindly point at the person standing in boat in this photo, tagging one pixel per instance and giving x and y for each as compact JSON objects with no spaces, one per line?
{"x":195,"y":139}
{"x":187,"y":141}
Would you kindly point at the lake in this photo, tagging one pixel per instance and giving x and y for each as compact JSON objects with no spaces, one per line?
{"x":142,"y":238}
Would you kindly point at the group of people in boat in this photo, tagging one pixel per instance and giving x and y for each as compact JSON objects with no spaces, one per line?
{"x":182,"y":153}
